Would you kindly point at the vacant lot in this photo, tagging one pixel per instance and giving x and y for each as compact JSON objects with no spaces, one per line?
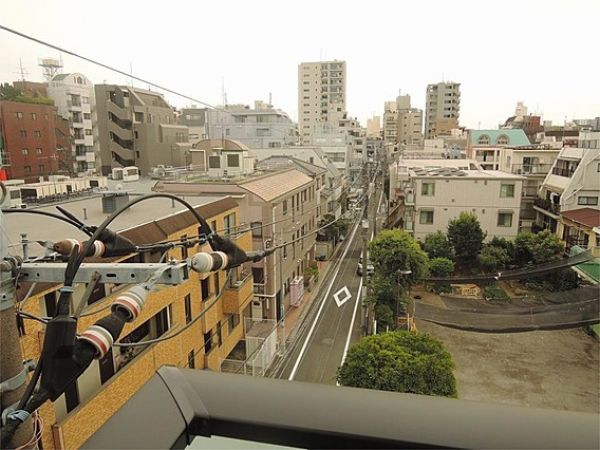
{"x":545,"y":369}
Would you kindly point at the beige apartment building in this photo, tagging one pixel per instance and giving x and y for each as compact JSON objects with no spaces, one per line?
{"x":138,"y":128}
{"x":321,"y":96}
{"x":280,"y":207}
{"x":442,"y":108}
{"x":433,"y":197}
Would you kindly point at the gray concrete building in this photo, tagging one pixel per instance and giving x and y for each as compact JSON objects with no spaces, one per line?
{"x":138,"y":128}
{"x":321,"y":96}
{"x":442,"y":108}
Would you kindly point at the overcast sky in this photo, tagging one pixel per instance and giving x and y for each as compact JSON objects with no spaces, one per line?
{"x":541,"y":52}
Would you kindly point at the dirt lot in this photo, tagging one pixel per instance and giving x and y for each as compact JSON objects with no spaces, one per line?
{"x":546,"y":369}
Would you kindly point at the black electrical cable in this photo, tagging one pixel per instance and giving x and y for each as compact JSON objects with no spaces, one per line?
{"x":48,"y":214}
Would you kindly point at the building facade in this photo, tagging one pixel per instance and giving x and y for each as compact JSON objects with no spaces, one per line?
{"x":35,"y":141}
{"x":138,"y":128}
{"x":222,"y":299}
{"x":73,"y":96}
{"x":321,"y":96}
{"x":442,"y":108}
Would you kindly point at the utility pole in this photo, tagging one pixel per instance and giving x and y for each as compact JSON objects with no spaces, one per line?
{"x":366,"y":325}
{"x":13,"y":373}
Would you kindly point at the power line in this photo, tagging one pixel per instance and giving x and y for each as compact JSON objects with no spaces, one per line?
{"x":106,"y":66}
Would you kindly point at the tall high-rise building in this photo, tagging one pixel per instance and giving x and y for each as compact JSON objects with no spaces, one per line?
{"x":321,"y":96}
{"x":401,"y":123}
{"x":73,"y":95}
{"x":374,"y":126}
{"x":442,"y":108}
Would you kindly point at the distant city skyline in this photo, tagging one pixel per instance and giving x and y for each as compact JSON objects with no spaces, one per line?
{"x":526,"y":54}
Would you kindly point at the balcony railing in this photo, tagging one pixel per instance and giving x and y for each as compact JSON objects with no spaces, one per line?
{"x":525,"y":169}
{"x":259,"y":288}
{"x":547,"y":205}
{"x":563,"y":172}
{"x":235,"y":282}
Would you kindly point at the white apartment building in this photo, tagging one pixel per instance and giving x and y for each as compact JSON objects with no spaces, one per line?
{"x":442,"y":108}
{"x":73,"y":95}
{"x":572,"y":183}
{"x":321,"y":96}
{"x":433,"y":197}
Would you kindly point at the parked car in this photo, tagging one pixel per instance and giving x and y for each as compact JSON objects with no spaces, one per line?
{"x":359,"y":268}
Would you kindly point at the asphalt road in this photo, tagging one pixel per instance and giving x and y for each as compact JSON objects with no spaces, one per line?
{"x":329,"y":329}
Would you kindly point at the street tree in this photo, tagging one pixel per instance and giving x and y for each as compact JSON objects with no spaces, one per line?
{"x":437,"y":245}
{"x":400,"y":361}
{"x":466,"y":236}
{"x":335,"y":230}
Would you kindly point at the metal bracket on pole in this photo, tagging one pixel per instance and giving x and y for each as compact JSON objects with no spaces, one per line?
{"x":133,"y":273}
{"x":19,"y":379}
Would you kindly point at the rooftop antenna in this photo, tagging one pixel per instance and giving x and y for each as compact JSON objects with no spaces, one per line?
{"x":270,"y":99}
{"x":131,"y":73}
{"x":51,"y":67}
{"x":22,"y":71}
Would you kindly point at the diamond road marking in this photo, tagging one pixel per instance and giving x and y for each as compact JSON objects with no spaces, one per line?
{"x":346,"y":296}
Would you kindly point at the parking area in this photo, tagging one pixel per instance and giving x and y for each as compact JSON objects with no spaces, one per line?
{"x":545,"y":369}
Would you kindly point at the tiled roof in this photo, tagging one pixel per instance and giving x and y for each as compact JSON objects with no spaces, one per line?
{"x":282,"y":161}
{"x":585,"y":216}
{"x":516,"y":137}
{"x":270,"y":187}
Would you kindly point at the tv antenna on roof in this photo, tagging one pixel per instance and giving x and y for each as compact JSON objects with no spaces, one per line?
{"x":22,"y":71}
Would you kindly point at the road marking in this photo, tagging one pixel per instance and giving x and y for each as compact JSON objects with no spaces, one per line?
{"x":351,"y":325}
{"x":314,"y":324}
{"x":347,"y":296}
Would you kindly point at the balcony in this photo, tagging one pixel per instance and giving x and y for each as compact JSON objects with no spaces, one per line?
{"x":259,"y":288}
{"x":563,"y":171}
{"x":546,"y":206}
{"x":531,"y":169}
{"x":238,"y":292}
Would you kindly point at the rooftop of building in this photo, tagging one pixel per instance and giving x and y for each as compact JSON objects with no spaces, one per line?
{"x":151,"y":210}
{"x":588,"y":217}
{"x":225,"y":144}
{"x":451,"y":172}
{"x":434,"y":163}
{"x":274,"y":185}
{"x":278,"y":162}
{"x":515,"y":137}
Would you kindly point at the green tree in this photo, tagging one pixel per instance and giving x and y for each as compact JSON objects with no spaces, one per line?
{"x":335,"y":230}
{"x":441,"y":267}
{"x":466,"y":236}
{"x":530,"y":248}
{"x":401,"y":362}
{"x":8,"y":92}
{"x":522,"y":248}
{"x":393,"y":251}
{"x":493,"y":258}
{"x":437,"y":245}
{"x":385,"y":318}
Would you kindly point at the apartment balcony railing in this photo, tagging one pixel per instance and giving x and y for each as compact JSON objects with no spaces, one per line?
{"x":547,"y":205}
{"x":563,"y":172}
{"x":259,"y":288}
{"x":525,"y":169}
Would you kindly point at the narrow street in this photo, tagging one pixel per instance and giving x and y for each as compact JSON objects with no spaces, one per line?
{"x":331,"y":326}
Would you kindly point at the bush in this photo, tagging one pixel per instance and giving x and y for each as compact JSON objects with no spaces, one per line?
{"x":437,"y":245}
{"x":441,"y":267}
{"x":494,"y":292}
{"x":493,"y":258}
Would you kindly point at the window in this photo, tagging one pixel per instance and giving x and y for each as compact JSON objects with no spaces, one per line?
{"x":426,"y":217}
{"x":581,"y":200}
{"x":502,"y":140}
{"x":217,"y":283}
{"x":184,"y":249}
{"x":87,"y":116}
{"x":233,"y":160}
{"x":33,"y":116}
{"x":204,"y":289}
{"x":233,"y":321}
{"x":37,"y":133}
{"x":38,"y":151}
{"x":213,"y":225}
{"x":25,"y":151}
{"x":214,"y":162}
{"x":229,"y":223}
{"x":88,"y":132}
{"x":27,"y":169}
{"x":256,"y":229}
{"x":23,"y":133}
{"x":507,"y":190}
{"x":284,"y":207}
{"x":484,"y":139}
{"x":139,"y":117}
{"x":191,"y":362}
{"x":219,"y":334}
{"x":207,"y":342}
{"x":428,"y":189}
{"x":505,"y":219}
{"x":18,"y":115}
{"x":285,"y":250}
{"x":41,"y":168}
{"x":188,"y":308}
{"x":85,"y":100}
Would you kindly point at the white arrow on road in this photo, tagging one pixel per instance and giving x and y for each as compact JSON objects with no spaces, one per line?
{"x":343,"y":292}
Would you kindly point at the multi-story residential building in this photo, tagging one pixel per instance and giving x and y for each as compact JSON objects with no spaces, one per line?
{"x":36,"y":142}
{"x":280,"y":207}
{"x":410,"y":126}
{"x":442,"y":108}
{"x":433,"y":197}
{"x":138,"y":128}
{"x":485,"y":145}
{"x":530,"y":124}
{"x":109,"y":382}
{"x":73,"y":95}
{"x":321,"y":96}
{"x":261,"y":127}
{"x":572,"y":183}
{"x":390,"y":123}
{"x":195,"y":119}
